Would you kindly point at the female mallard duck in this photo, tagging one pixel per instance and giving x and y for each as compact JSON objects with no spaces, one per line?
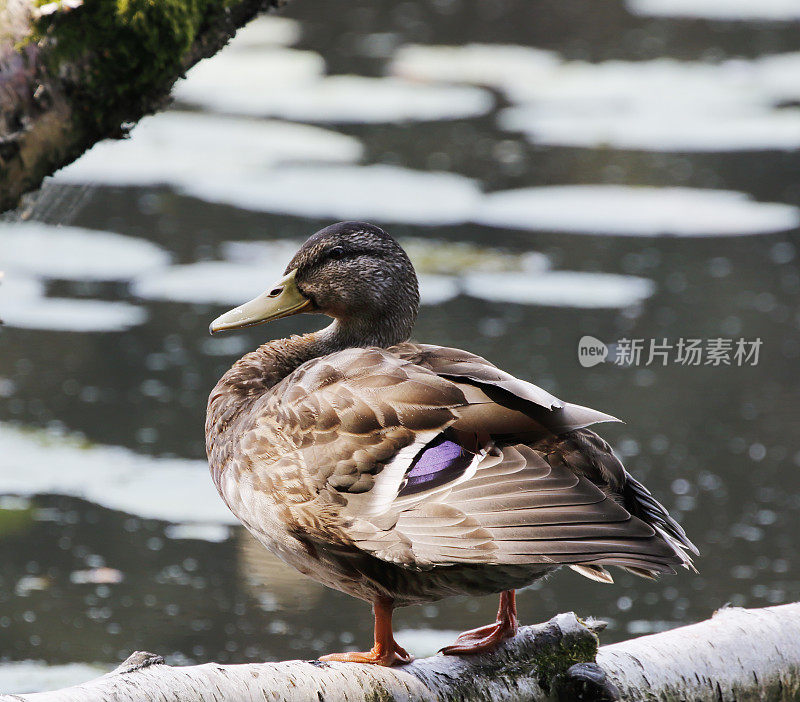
{"x":402,"y":473}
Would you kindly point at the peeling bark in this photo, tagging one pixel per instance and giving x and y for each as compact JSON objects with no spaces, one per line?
{"x":73,"y":72}
{"x":736,"y":656}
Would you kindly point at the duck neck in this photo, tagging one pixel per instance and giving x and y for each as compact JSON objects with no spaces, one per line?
{"x":272,"y":362}
{"x":363,"y":331}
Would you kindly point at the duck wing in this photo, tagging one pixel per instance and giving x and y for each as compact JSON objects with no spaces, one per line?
{"x":425,"y":457}
{"x":565,"y":500}
{"x":493,"y":391}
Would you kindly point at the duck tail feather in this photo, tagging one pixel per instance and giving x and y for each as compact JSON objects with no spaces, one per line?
{"x":593,"y":572}
{"x":654,"y":513}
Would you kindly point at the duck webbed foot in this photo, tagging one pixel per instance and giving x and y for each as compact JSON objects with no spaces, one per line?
{"x":386,"y":651}
{"x":487,"y":638}
{"x":394,"y":655}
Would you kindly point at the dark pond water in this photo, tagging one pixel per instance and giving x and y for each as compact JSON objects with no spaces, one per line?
{"x":719,"y":445}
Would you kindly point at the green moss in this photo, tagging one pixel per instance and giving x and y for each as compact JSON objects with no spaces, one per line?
{"x":13,"y":521}
{"x":574,"y":647}
{"x":378,"y":694}
{"x":121,"y":52}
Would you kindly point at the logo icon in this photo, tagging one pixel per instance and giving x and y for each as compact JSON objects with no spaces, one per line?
{"x":591,"y":351}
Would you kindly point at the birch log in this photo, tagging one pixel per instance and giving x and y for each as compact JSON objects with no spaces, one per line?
{"x":73,"y":72}
{"x":736,"y":656}
{"x":523,"y":670}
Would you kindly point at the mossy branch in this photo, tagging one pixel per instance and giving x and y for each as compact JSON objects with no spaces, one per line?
{"x":526,"y":669}
{"x":73,"y":72}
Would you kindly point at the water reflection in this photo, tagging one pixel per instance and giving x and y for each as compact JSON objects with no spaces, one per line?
{"x":212,"y":205}
{"x":270,"y":582}
{"x":731,"y":10}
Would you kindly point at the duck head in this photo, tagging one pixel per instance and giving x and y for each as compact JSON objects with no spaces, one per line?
{"x":353,"y":272}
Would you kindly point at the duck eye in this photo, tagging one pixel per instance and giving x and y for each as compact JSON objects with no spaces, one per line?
{"x":336,"y":253}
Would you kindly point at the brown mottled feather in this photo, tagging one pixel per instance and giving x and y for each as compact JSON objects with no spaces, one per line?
{"x":325,"y":452}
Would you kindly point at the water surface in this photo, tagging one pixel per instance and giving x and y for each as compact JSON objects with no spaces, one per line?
{"x":111,"y":536}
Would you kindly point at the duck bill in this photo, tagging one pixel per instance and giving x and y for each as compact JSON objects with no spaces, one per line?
{"x":283,"y":299}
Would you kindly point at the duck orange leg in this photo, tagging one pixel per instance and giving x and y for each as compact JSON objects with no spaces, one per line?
{"x":385,"y":651}
{"x":489,"y":637}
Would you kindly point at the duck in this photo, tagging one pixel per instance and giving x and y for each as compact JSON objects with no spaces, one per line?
{"x":401,"y":472}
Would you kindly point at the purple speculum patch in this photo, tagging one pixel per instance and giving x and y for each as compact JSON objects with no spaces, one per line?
{"x":439,"y":462}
